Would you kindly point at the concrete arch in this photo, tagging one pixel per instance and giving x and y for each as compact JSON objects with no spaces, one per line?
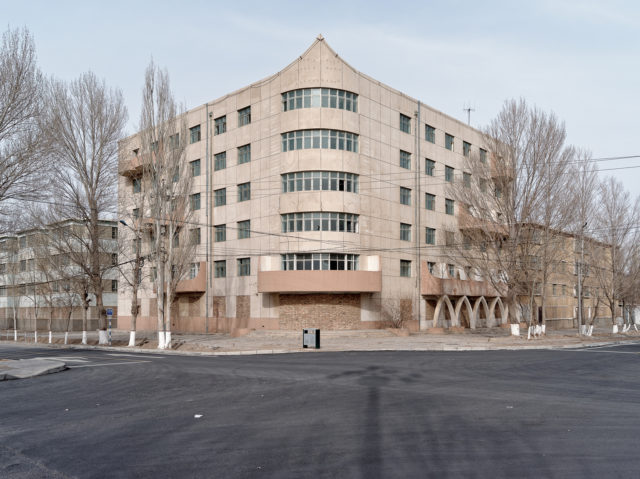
{"x":481,"y":302}
{"x":459,"y":303}
{"x":436,"y":314}
{"x":504,"y":310}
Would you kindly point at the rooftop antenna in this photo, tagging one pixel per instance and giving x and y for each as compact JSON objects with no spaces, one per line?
{"x":468,"y":109}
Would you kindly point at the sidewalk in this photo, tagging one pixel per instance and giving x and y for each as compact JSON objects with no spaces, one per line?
{"x":28,"y":368}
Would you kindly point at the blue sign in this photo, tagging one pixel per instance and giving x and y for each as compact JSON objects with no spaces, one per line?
{"x":109,"y":312}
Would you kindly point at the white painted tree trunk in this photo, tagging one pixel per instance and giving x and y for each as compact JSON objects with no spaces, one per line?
{"x":132,"y":338}
{"x":103,"y":338}
{"x":66,"y":337}
{"x":50,"y":337}
{"x":35,"y":336}
{"x":515,"y":330}
{"x":15,"y":334}
{"x":544,"y":329}
{"x":160,"y":339}
{"x":84,"y":337}
{"x":167,"y":340}
{"x":615,"y":329}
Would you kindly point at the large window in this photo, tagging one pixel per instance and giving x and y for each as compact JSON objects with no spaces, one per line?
{"x":430,"y":236}
{"x":448,"y":141}
{"x":405,"y":123}
{"x":220,"y":268}
{"x":405,"y":159}
{"x":448,"y":206}
{"x":244,"y":192}
{"x":429,"y":167}
{"x":195,"y":202}
{"x":466,"y":180}
{"x":195,"y":168}
{"x":194,"y":269}
{"x":137,"y":185}
{"x":194,"y":134}
{"x":405,"y":232}
{"x":244,"y":229}
{"x":319,"y":97}
{"x":244,"y":266}
{"x":429,"y":133}
{"x":325,"y":139}
{"x":483,"y":155}
{"x":220,"y":161}
{"x":244,"y":154}
{"x":430,"y":201}
{"x":319,"y":221}
{"x":466,"y":148}
{"x":220,"y":197}
{"x":319,"y":181}
{"x":194,"y":236}
{"x":405,"y":196}
{"x":220,"y":125}
{"x":405,"y":268}
{"x":220,"y":233}
{"x":448,"y":174}
{"x":320,"y":262}
{"x":244,"y":116}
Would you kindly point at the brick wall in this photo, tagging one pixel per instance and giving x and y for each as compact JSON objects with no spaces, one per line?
{"x":219,"y":307}
{"x":243,"y":307}
{"x":325,"y":311}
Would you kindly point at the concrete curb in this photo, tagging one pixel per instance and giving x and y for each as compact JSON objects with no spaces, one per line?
{"x":29,"y":368}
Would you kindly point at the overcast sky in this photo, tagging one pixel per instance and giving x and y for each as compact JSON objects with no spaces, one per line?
{"x":577,"y":58}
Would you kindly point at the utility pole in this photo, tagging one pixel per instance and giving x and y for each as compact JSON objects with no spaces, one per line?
{"x":580,"y":278}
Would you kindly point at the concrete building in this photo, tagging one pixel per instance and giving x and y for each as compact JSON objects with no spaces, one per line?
{"x":39,"y":281}
{"x":323,"y":205}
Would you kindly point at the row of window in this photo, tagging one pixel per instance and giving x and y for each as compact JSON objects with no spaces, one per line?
{"x":243,"y":267}
{"x":220,"y":195}
{"x":220,"y":125}
{"x":319,"y":262}
{"x":405,"y":268}
{"x":319,"y":181}
{"x":220,"y":159}
{"x":321,"y":138}
{"x":56,"y":287}
{"x":319,"y":221}
{"x":319,"y":97}
{"x":243,"y":228}
{"x":430,"y":201}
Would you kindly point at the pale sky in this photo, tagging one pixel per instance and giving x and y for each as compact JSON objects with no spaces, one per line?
{"x":577,"y":58}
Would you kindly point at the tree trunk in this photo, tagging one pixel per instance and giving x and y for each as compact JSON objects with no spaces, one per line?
{"x":84,"y":323}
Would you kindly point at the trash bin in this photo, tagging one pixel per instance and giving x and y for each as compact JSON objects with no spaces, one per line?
{"x":311,"y":338}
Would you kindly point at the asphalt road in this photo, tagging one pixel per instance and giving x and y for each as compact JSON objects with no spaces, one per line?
{"x":569,"y":413}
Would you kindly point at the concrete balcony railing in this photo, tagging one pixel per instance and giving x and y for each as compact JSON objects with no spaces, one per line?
{"x":130,"y":167}
{"x":433,"y":286}
{"x":195,"y":285}
{"x":320,"y":281}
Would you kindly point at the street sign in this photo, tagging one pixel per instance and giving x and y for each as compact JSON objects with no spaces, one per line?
{"x":109,"y":311}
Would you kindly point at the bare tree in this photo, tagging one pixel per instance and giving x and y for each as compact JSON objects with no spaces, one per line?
{"x":12,"y":280}
{"x":167,"y":187}
{"x":513,"y":199}
{"x":617,"y":219}
{"x":21,"y":148}
{"x":83,"y":121}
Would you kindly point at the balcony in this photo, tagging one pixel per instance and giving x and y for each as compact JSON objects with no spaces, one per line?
{"x":195,"y":285}
{"x":433,"y":286}
{"x":319,"y":281}
{"x":131,"y":167}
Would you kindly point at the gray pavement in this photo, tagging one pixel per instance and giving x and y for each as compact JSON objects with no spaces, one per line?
{"x":28,"y":368}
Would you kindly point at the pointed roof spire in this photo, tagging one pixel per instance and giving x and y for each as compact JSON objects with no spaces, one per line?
{"x":320,"y":37}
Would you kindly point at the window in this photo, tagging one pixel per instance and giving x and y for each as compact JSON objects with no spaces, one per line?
{"x":319,"y":221}
{"x":220,"y":268}
{"x":135,"y":213}
{"x":483,"y":185}
{"x":176,"y":238}
{"x":137,"y":185}
{"x":194,"y":269}
{"x":448,"y":141}
{"x":564,"y":290}
{"x":405,"y":123}
{"x":176,"y":174}
{"x":498,"y":192}
{"x":324,"y":139}
{"x":405,"y":159}
{"x":244,"y":116}
{"x":466,"y":179}
{"x":220,"y":125}
{"x":220,"y":197}
{"x":466,"y":148}
{"x":320,"y":262}
{"x":429,"y":167}
{"x":194,"y":134}
{"x":431,"y":266}
{"x":448,"y":174}
{"x":114,"y":259}
{"x":220,"y":161}
{"x":244,"y":266}
{"x":194,"y":236}
{"x":319,"y":181}
{"x":244,"y":191}
{"x":23,"y":265}
{"x":430,"y":201}
{"x":23,"y":241}
{"x":316,"y":97}
{"x":429,"y":133}
{"x":244,"y":229}
{"x":448,"y":206}
{"x":430,"y":236}
{"x":244,"y":154}
{"x":405,"y":232}
{"x":174,"y":141}
{"x":554,"y":290}
{"x":451,"y":271}
{"x":195,"y":201}
{"x":449,"y":238}
{"x":483,"y":155}
{"x":195,"y":168}
{"x":114,"y":285}
{"x":220,"y":233}
{"x":3,"y":268}
{"x":405,"y":268}
{"x":405,"y":196}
